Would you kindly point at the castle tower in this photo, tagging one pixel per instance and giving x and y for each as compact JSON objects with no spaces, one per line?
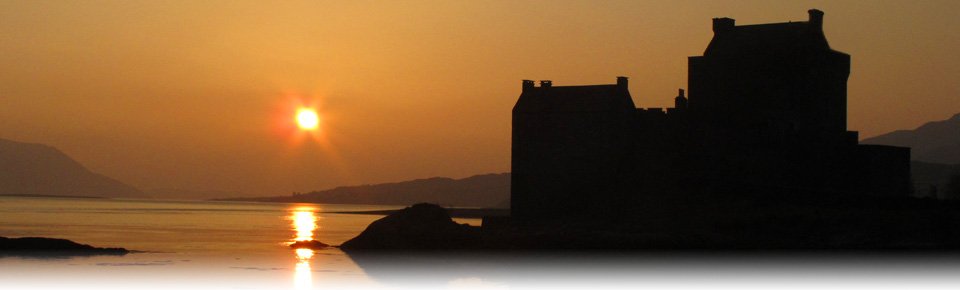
{"x":772,"y":80}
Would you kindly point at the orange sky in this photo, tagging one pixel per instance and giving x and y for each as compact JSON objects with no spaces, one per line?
{"x":191,"y":94}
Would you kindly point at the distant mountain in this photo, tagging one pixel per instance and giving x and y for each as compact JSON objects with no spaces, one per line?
{"x":36,"y":169}
{"x":934,"y":142}
{"x":488,"y":191}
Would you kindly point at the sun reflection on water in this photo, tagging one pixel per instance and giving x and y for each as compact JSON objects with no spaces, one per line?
{"x":302,"y":278}
{"x":304,"y":224}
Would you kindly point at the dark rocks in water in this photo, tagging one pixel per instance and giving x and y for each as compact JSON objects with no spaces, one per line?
{"x":419,"y":227}
{"x":48,"y":245}
{"x":311,"y":244}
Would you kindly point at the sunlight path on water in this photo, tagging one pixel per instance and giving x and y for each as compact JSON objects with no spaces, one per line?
{"x":302,"y":278}
{"x":185,"y":244}
{"x":304,"y":224}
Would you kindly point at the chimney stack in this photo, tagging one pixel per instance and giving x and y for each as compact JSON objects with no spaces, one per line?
{"x":680,"y":102}
{"x":546,"y":84}
{"x":816,"y":18}
{"x":622,"y":82}
{"x":722,"y":25}
{"x":527,"y":84}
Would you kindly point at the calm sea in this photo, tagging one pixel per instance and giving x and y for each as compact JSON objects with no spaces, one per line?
{"x":197,"y":244}
{"x":225,"y":245}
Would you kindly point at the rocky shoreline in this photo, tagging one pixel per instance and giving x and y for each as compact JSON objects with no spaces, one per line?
{"x":35,"y":245}
{"x":475,"y":213}
{"x":834,"y":225}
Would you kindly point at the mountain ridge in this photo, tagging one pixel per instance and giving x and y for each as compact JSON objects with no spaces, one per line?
{"x":482,"y":190}
{"x":39,"y":169}
{"x":933,"y":142}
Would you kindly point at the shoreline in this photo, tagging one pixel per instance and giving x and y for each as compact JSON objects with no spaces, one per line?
{"x":53,"y":246}
{"x":476,"y":213}
{"x":52,"y":196}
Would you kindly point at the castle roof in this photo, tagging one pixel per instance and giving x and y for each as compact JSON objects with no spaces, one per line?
{"x":774,"y":38}
{"x":594,"y":98}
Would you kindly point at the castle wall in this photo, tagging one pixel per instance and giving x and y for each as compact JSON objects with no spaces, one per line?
{"x":562,"y":161}
{"x":568,"y":160}
{"x":802,"y":95}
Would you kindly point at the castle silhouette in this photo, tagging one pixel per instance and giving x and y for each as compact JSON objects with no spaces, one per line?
{"x":766,"y":114}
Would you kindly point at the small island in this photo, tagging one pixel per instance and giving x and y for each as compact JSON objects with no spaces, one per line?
{"x":311,"y":244}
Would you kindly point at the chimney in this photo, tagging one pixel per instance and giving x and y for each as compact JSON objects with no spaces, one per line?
{"x":816,"y":18}
{"x":546,"y":84}
{"x":680,"y":102}
{"x":722,"y":25}
{"x":527,"y":84}
{"x":622,"y":82}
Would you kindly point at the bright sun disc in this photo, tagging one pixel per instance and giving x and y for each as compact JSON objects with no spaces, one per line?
{"x":307,"y":119}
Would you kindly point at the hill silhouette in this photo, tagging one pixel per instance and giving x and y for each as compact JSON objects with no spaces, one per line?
{"x":934,"y":142}
{"x":37,"y":169}
{"x":486,"y":190}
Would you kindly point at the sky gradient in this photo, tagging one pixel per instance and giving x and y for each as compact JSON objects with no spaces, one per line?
{"x":201,"y":95}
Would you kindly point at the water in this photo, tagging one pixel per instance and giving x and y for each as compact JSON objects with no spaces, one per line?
{"x":227,"y":245}
{"x":224,"y":245}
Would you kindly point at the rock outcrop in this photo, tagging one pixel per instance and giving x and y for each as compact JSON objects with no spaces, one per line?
{"x":312,"y":244}
{"x":419,"y":227}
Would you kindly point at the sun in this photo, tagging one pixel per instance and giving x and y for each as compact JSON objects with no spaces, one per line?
{"x":307,"y":119}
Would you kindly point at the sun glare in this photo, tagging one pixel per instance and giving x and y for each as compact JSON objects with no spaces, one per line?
{"x":307,"y":119}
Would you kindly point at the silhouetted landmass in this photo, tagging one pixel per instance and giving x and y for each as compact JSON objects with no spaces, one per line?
{"x":53,"y":196}
{"x":33,"y":245}
{"x":744,"y":222}
{"x":418,"y":227}
{"x":453,"y":212}
{"x":487,"y":191}
{"x":934,"y":142}
{"x":36,"y":169}
{"x":934,"y":179}
{"x":312,"y":244}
